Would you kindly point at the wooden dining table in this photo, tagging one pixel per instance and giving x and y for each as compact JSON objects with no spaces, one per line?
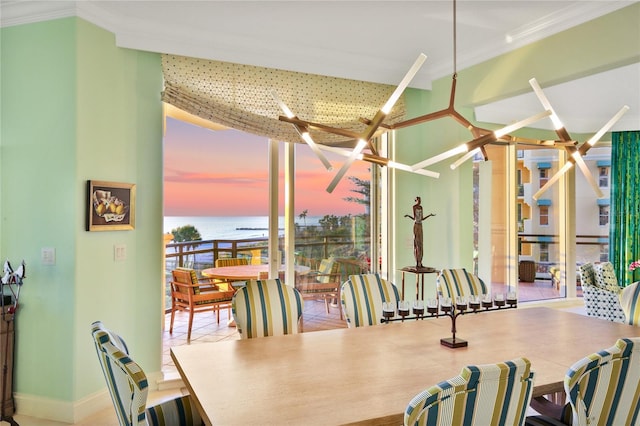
{"x":368,"y":375}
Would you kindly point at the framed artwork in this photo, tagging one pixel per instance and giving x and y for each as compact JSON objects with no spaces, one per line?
{"x":111,"y":206}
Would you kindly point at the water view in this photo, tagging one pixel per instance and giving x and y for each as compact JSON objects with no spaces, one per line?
{"x":231,"y":227}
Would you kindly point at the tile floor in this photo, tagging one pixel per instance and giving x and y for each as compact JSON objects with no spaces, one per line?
{"x":206,"y":329}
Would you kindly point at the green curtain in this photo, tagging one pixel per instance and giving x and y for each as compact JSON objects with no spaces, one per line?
{"x":624,"y":232}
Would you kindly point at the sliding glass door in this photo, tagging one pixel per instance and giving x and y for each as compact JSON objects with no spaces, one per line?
{"x":518,"y":238}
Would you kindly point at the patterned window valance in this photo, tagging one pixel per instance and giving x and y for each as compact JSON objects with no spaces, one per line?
{"x":239,"y":96}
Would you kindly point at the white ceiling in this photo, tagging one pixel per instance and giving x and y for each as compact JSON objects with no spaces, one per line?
{"x":374,"y":41}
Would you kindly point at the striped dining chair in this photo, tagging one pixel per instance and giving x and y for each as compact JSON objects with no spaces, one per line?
{"x":128,"y":387}
{"x":459,"y":282}
{"x":630,"y":303}
{"x":362,"y":296}
{"x":606,"y":385}
{"x":602,"y":388}
{"x":267,"y":308}
{"x":491,"y":394}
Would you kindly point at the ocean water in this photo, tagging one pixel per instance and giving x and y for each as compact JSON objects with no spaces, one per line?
{"x":229,"y":228}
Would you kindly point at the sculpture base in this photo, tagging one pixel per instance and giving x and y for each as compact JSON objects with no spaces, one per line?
{"x":452,"y":342}
{"x":419,"y":269}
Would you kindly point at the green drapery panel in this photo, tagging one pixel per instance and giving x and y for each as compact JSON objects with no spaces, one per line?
{"x":624,"y":234}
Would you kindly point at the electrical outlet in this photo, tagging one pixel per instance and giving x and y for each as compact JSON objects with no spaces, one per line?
{"x":119,"y":252}
{"x":48,"y":255}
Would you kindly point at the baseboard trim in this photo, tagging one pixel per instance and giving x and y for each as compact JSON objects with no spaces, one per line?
{"x":61,"y":411}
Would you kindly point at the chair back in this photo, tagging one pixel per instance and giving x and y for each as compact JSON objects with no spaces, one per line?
{"x":348,"y":267}
{"x":459,"y":282}
{"x":601,"y":292}
{"x":326,"y":269}
{"x":630,"y":303}
{"x":128,"y":387}
{"x":587,"y":274}
{"x":126,"y":381}
{"x":605,"y":276}
{"x":267,"y":308}
{"x":231,"y":261}
{"x":490,"y":394}
{"x":603,"y":387}
{"x":185,"y":276}
{"x":362,"y":297}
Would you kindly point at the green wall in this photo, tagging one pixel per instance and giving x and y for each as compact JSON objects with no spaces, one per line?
{"x":75,"y":107}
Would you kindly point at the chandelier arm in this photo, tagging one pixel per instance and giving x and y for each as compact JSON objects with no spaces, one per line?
{"x":483,"y":149}
{"x":452,"y":95}
{"x":422,"y":119}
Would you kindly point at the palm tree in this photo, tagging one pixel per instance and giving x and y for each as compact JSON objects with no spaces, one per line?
{"x":303,"y":216}
{"x":363,"y":187}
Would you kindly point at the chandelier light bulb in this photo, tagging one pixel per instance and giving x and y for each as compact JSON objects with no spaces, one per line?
{"x":553,"y":180}
{"x":354,"y":154}
{"x":595,"y":138}
{"x":557,"y":124}
{"x":403,"y":84}
{"x":464,"y":158}
{"x":587,"y":173}
{"x":436,"y":159}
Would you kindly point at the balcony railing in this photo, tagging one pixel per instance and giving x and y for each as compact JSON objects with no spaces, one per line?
{"x":203,"y":254}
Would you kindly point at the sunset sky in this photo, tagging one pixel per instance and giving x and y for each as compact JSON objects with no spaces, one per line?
{"x":225,"y":173}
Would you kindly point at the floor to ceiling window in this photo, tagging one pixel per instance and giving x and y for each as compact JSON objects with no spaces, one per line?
{"x":217,"y":182}
{"x":567,"y":225}
{"x":524,"y":232}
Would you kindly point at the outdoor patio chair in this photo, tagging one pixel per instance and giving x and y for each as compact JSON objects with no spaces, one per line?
{"x":490,"y":394}
{"x":362,"y":297}
{"x":189,"y":295}
{"x":267,"y":308}
{"x":128,"y":387}
{"x":323,"y":283}
{"x":231,"y":261}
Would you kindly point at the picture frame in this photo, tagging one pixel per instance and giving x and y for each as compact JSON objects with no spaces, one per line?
{"x":111,"y":206}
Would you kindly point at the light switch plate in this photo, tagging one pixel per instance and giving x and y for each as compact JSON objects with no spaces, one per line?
{"x":119,"y":252}
{"x":48,"y":255}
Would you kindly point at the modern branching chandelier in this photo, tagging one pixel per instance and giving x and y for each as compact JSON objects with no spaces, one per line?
{"x":364,"y":139}
{"x":481,"y":136}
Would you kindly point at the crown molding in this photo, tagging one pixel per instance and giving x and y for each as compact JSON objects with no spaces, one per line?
{"x":149,"y":35}
{"x":28,"y":12}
